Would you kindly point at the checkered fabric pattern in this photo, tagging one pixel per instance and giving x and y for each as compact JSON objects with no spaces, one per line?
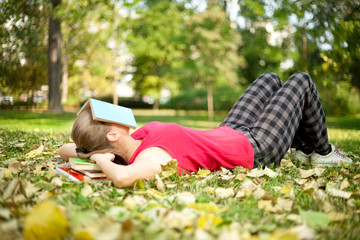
{"x":276,"y":116}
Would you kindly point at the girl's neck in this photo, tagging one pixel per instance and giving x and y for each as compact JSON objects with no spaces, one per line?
{"x":130,"y":149}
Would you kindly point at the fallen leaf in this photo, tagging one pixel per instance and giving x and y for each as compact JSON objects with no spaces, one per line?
{"x":14,"y":167}
{"x":338,"y":193}
{"x":304,"y":232}
{"x":159,"y":183}
{"x":169,"y":169}
{"x":224,"y":193}
{"x":45,"y":222}
{"x":184,"y":198}
{"x":344,"y":184}
{"x":261,"y":172}
{"x":337,"y":216}
{"x":267,"y":206}
{"x":319,"y":171}
{"x":285,"y":204}
{"x":301,"y":181}
{"x":306,"y":173}
{"x":57,"y":182}
{"x":86,"y":190}
{"x":11,"y":189}
{"x":285,"y":163}
{"x":259,"y":193}
{"x":315,"y":219}
{"x":208,"y":221}
{"x":35,"y":152}
{"x":286,"y":191}
{"x":203,"y":172}
{"x":311,"y":185}
{"x":5,"y":213}
{"x":206,"y":207}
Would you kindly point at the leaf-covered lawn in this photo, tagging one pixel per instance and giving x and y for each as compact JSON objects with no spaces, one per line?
{"x":292,"y":201}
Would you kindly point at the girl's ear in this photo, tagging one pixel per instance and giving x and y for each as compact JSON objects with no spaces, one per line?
{"x":113,"y":136}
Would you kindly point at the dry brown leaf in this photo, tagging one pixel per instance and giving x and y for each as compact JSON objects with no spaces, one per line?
{"x":267,"y":206}
{"x":12,"y":189}
{"x":285,"y":163}
{"x":184,"y":198}
{"x":159,"y":183}
{"x":344,"y":184}
{"x":337,"y":216}
{"x":169,"y":169}
{"x":14,"y":167}
{"x":224,"y":193}
{"x":35,"y":152}
{"x":319,"y":171}
{"x":311,"y":185}
{"x":306,"y":173}
{"x":285,"y":204}
{"x":338,"y":193}
{"x":86,"y":190}
{"x":259,"y":193}
{"x":5,"y":213}
{"x":301,"y":181}
{"x":261,"y":172}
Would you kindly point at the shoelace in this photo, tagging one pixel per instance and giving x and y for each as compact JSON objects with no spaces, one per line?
{"x":339,"y":154}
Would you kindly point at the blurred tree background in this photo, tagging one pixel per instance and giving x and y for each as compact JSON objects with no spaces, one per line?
{"x":183,"y":54}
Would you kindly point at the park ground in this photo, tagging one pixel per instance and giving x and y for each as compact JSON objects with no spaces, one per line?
{"x":291,"y":201}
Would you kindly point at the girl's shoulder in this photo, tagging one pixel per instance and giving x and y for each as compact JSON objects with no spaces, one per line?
{"x":157,"y":154}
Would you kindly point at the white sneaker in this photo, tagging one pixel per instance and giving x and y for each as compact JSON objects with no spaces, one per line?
{"x":302,"y":157}
{"x":333,"y":158}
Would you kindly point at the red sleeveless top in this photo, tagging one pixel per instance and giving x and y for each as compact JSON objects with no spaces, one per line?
{"x":194,"y":149}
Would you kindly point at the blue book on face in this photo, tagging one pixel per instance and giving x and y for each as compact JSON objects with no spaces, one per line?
{"x":107,"y":112}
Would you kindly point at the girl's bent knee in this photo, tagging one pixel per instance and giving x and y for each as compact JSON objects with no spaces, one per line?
{"x":302,"y":78}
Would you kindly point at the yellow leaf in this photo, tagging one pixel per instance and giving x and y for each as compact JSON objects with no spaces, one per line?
{"x":203,"y":172}
{"x":139,"y":184}
{"x":45,"y":222}
{"x":35,"y":152}
{"x":283,"y":235}
{"x":153,"y":193}
{"x":285,"y":190}
{"x":169,"y":169}
{"x":208,"y":221}
{"x":206,"y":207}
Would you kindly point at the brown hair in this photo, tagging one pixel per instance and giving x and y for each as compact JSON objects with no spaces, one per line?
{"x":90,"y":135}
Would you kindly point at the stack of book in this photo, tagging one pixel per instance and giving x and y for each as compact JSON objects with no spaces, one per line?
{"x":81,"y":170}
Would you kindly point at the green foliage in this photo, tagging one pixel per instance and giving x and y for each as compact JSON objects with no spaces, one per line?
{"x":23,"y":45}
{"x":195,"y":99}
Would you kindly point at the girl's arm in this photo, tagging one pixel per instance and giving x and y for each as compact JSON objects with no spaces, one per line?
{"x":67,"y":150}
{"x":125,"y":176}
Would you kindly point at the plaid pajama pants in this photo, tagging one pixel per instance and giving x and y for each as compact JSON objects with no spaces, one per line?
{"x":276,"y":116}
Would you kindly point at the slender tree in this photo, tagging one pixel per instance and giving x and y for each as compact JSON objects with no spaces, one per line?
{"x":54,"y":61}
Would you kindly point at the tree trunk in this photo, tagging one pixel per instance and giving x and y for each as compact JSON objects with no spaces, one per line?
{"x":54,"y":62}
{"x":65,"y":77}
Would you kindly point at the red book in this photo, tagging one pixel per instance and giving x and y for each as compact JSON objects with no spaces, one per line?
{"x":76,"y":176}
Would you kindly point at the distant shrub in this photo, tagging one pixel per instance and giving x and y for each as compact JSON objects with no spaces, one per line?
{"x":341,"y":100}
{"x":196,"y":99}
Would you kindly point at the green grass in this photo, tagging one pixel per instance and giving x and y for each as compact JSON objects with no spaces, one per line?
{"x":140,"y":213}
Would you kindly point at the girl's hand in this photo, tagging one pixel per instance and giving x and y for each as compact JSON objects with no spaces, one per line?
{"x":102,"y":157}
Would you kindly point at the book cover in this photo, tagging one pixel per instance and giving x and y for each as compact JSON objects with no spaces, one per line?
{"x":75,"y":175}
{"x":82,"y":164}
{"x":107,"y":112}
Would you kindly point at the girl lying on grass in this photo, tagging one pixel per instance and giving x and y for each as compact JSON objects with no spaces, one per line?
{"x":268,"y":119}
